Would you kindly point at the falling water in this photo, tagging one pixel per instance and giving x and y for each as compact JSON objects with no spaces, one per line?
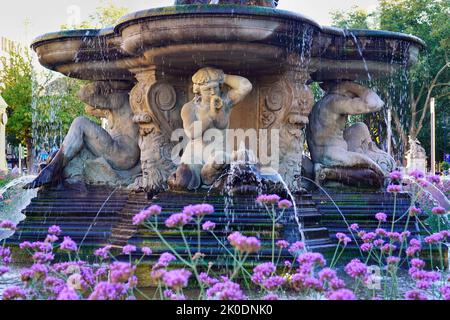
{"x":14,"y":200}
{"x":360,"y":51}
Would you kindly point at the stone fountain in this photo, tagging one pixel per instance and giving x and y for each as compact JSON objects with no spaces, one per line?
{"x":236,"y":67}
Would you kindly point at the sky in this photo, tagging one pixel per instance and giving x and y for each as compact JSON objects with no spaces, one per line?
{"x":23,"y":20}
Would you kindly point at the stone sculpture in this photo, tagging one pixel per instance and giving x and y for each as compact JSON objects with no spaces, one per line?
{"x":345,"y":156}
{"x":215,"y":95}
{"x":91,"y":154}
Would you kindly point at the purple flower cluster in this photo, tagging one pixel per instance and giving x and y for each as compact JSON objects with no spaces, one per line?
{"x":68,"y":245}
{"x":297,"y":248}
{"x":356,"y":269}
{"x":244,"y":244}
{"x":270,"y":199}
{"x":103,"y":253}
{"x":209,"y":226}
{"x":178,"y":220}
{"x":417,"y":174}
{"x":8,"y":225}
{"x":199,"y":210}
{"x":394,"y":188}
{"x":145,"y":214}
{"x":285,"y":204}
{"x":439,"y":211}
{"x":343,"y":238}
{"x":396,"y":175}
{"x":381,"y":216}
{"x":176,"y":279}
{"x":341,"y":294}
{"x":226,"y":291}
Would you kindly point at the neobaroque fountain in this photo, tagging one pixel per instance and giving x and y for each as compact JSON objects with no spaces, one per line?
{"x":253,"y":64}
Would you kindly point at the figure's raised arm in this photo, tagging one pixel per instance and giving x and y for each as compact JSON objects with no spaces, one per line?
{"x":356,"y":99}
{"x":106,"y":95}
{"x":240,"y":88}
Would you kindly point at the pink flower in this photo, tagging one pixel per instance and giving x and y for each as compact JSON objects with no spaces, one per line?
{"x":356,"y":269}
{"x":414,"y":211}
{"x":296,"y":248}
{"x":366,"y":247}
{"x":417,"y":174}
{"x":445,"y":291}
{"x":146,"y":251}
{"x":394,"y":188}
{"x":354,"y":227}
{"x":105,"y":291}
{"x":285,"y":204}
{"x":342,"y":237}
{"x":244,"y":244}
{"x":381,"y":216}
{"x":54,"y":230}
{"x":68,"y":245}
{"x":68,"y":294}
{"x":145,"y":214}
{"x":164,"y":260}
{"x":268,"y":199}
{"x":434,"y":179}
{"x":178,"y":220}
{"x":415,"y":295}
{"x":282,"y":244}
{"x":312,"y":258}
{"x":103,"y":252}
{"x":209,"y":226}
{"x":14,"y":293}
{"x":396,"y":175}
{"x":121,"y":272}
{"x":226,"y":291}
{"x":342,"y":294}
{"x":439,"y":211}
{"x":271,"y":297}
{"x":392,"y":260}
{"x":129,"y":249}
{"x":9,"y":225}
{"x":199,"y":210}
{"x":177,"y":279}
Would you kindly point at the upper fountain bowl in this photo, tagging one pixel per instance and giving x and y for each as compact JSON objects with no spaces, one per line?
{"x":241,"y":39}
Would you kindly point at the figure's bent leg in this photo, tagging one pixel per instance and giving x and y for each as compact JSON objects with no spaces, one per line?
{"x":348,"y":159}
{"x":82,"y":133}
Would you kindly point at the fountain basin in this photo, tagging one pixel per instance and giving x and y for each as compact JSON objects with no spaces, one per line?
{"x":244,"y":39}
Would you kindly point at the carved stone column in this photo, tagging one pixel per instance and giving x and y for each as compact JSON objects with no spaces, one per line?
{"x":288,"y":103}
{"x":152,"y":101}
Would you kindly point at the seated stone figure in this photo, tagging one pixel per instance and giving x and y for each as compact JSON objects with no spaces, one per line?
{"x":210,"y":110}
{"x":334,"y":158}
{"x":91,"y":154}
{"x":359,"y":140}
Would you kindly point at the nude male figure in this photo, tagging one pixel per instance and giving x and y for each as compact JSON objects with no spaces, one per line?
{"x":210,"y":109}
{"x":119,"y":147}
{"x":328,"y":120}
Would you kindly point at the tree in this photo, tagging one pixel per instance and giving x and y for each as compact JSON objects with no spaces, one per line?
{"x":409,"y":92}
{"x":356,"y":18}
{"x":16,"y":85}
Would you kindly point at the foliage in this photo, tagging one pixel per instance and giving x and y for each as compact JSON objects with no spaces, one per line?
{"x":356,"y":18}
{"x":409,"y":92}
{"x":16,"y":85}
